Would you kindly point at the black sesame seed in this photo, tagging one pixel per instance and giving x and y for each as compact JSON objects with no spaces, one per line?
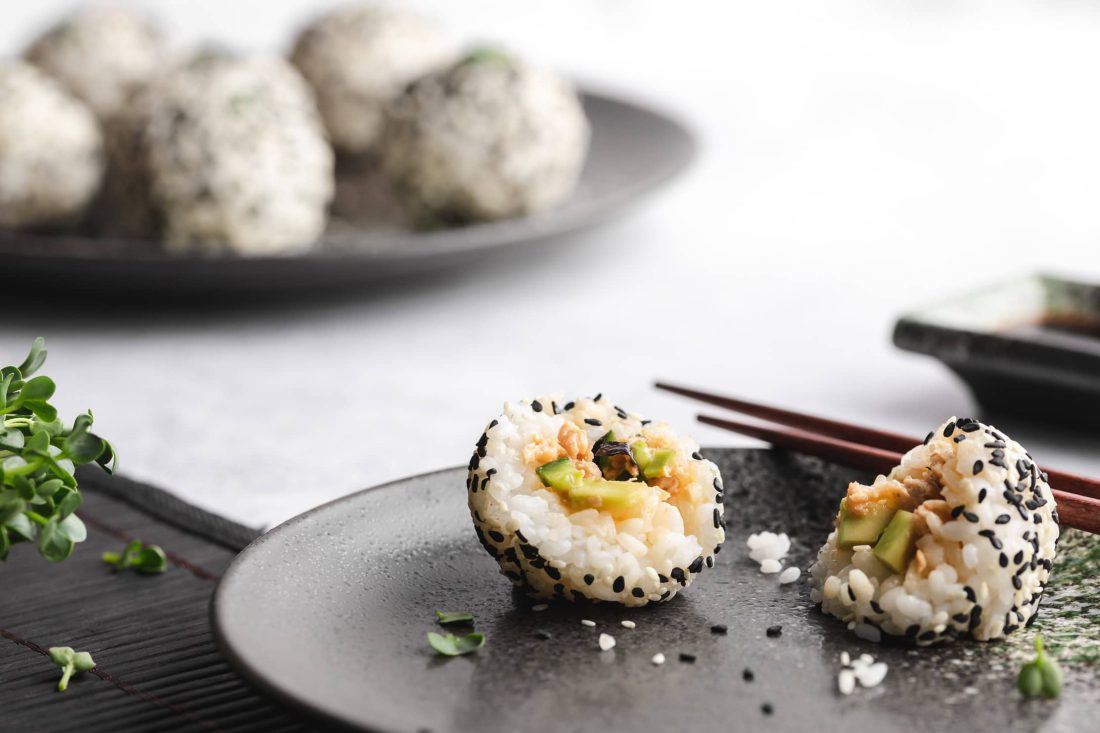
{"x":718,"y":484}
{"x":1003,"y":519}
{"x":569,"y":406}
{"x":536,"y":406}
{"x":554,"y":407}
{"x":710,"y":561}
{"x":971,"y":517}
{"x":981,"y":495}
{"x":687,"y":658}
{"x":959,"y":438}
{"x":553,"y":572}
{"x":927,"y":636}
{"x":593,"y":421}
{"x":1003,"y":560}
{"x":774,"y":631}
{"x":851,"y":594}
{"x":637,"y":593}
{"x":748,"y":675}
{"x":970,"y":427}
{"x":544,"y":635}
{"x":474,"y":461}
{"x":961,"y":618}
{"x":678,"y":574}
{"x":719,"y":629}
{"x":559,"y":588}
{"x":717,"y":548}
{"x":766,"y":708}
{"x":696,"y":565}
{"x":876,"y":607}
{"x":957,"y":511}
{"x":911,"y":631}
{"x":666,"y":594}
{"x":598,"y":397}
{"x":496,"y":536}
{"x":998,"y":462}
{"x":996,"y":542}
{"x":1019,"y":558}
{"x":646,"y":422}
{"x":948,"y":429}
{"x":662,"y":578}
{"x":970,"y":596}
{"x":978,"y":466}
{"x":619,"y":584}
{"x":589,"y":579}
{"x":717,"y":517}
{"x":986,"y":533}
{"x":697,"y":456}
{"x":928,"y":438}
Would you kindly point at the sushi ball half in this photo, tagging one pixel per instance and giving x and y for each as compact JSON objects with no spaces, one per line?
{"x":956,"y":542}
{"x":357,"y":57}
{"x":488,"y":138}
{"x":51,"y":150}
{"x":583,"y":501}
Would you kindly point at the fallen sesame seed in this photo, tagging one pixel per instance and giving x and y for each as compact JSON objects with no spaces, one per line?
{"x":543,"y":635}
{"x":687,"y":658}
{"x":748,"y":675}
{"x":774,"y":631}
{"x":719,"y":629}
{"x":767,"y":708}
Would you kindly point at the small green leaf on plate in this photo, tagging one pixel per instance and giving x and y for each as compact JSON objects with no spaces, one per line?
{"x":452,"y":646}
{"x":454,"y":617}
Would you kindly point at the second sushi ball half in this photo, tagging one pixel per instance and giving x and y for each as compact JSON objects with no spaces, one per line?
{"x":584,"y":501}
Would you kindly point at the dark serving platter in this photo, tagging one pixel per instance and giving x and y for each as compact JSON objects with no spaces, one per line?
{"x":329,"y":612}
{"x":1029,"y":346}
{"x":633,"y":150}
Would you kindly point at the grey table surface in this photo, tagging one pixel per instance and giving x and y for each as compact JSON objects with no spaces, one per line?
{"x":857,"y":162}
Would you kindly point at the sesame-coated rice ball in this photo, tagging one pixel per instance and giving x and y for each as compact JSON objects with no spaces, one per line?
{"x":958,"y":541}
{"x":101,"y":54}
{"x":51,"y":152}
{"x":583,"y":501}
{"x":356,"y":58}
{"x":236,"y":157}
{"x":487,"y":138}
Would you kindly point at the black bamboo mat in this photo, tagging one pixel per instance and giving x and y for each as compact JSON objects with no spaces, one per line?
{"x":158,"y":668}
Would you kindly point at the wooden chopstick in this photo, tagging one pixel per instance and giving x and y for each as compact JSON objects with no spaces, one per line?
{"x":1080,"y":512}
{"x":1069,"y":483}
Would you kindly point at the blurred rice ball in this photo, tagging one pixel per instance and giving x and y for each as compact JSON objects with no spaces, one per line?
{"x":236,"y":157}
{"x":488,"y":138}
{"x":357,"y":58}
{"x":102,"y":54}
{"x":51,"y":151}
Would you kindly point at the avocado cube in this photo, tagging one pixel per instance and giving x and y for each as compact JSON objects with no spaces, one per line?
{"x":559,"y":474}
{"x":898,"y":541}
{"x":658,"y":464}
{"x":642,"y":454}
{"x":861,"y":529}
{"x":613,"y":496}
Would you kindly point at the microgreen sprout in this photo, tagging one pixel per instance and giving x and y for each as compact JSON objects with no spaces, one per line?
{"x":71,"y":662}
{"x":1041,"y":677}
{"x":454,"y":617}
{"x":145,"y":559}
{"x":452,"y":646}
{"x":38,"y":458}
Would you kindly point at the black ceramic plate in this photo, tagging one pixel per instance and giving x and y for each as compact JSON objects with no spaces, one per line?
{"x":1030,"y":346}
{"x":633,"y":151}
{"x":330,"y":610}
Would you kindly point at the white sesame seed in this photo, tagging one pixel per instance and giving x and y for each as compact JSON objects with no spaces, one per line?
{"x":789,"y":575}
{"x":628,"y":624}
{"x":607,"y":642}
{"x":586,"y":622}
{"x":658,"y":659}
{"x":540,"y":607}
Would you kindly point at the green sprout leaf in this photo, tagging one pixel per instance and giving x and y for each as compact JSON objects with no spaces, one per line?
{"x":454,"y":617}
{"x":1041,"y":677}
{"x":452,"y":646}
{"x":144,"y":559}
{"x":38,"y":459}
{"x":71,"y":662}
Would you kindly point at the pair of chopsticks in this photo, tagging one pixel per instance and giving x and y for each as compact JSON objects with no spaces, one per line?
{"x":868,"y":449}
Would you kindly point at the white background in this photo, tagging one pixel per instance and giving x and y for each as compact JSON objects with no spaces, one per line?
{"x":860,"y":159}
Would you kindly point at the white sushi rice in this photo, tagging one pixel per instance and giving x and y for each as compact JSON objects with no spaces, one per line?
{"x":980,"y":572}
{"x":658,"y":659}
{"x":606,"y":642}
{"x":587,"y":554}
{"x":863,"y":670}
{"x":790,"y":575}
